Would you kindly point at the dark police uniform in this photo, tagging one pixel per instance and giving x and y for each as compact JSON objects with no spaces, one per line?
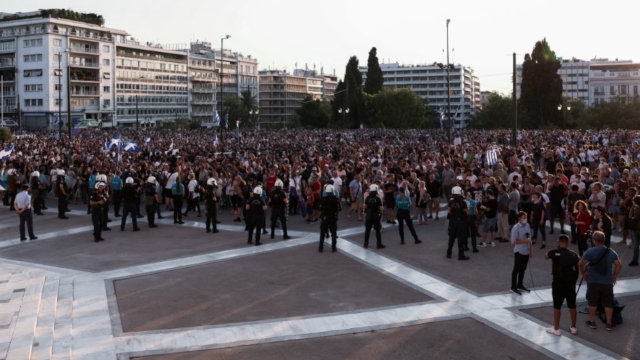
{"x":372,"y":206}
{"x":95,"y":203}
{"x":105,"y":208}
{"x":457,"y":214}
{"x":36,"y":193}
{"x":210,"y":202}
{"x":129,"y":196}
{"x":278,"y":201}
{"x":329,"y":207}
{"x":255,"y":213}
{"x":151,"y":203}
{"x":63,"y":193}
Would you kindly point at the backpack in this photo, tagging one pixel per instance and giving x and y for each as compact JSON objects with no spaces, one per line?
{"x":616,"y":318}
{"x":567,"y":266}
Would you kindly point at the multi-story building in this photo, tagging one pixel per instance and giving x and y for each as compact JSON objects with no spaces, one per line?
{"x":42,"y":59}
{"x":281,"y":93}
{"x":239,"y":73}
{"x":202,"y":83}
{"x":594,"y":81}
{"x":430,"y":82}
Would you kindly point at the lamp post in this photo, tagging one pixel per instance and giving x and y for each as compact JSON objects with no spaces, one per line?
{"x":567,"y":108}
{"x":253,"y":112}
{"x":60,"y":93}
{"x":221,"y":82}
{"x":68,"y":92}
{"x":448,"y":86}
{"x":344,"y":113}
{"x":238,"y":130}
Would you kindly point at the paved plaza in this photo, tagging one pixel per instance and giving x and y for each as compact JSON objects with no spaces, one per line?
{"x":176,"y":292}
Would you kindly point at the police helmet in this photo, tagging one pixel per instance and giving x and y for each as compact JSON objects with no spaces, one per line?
{"x":457,"y":190}
{"x":129,"y":180}
{"x":257,"y":190}
{"x":61,"y":172}
{"x":278,"y":183}
{"x":212,"y":182}
{"x":329,"y":189}
{"x":373,"y":188}
{"x":35,"y":174}
{"x":11,"y":172}
{"x":151,"y":180}
{"x":98,"y":185}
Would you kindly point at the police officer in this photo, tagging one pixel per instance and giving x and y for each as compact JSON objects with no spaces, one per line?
{"x":105,"y":207}
{"x":151,"y":201}
{"x":457,"y":214}
{"x":96,"y":202}
{"x":373,"y":209}
{"x":329,"y":208}
{"x":37,"y":189}
{"x":278,"y":202}
{"x":129,"y":200}
{"x":210,"y":204}
{"x":256,"y":208}
{"x":63,"y":194}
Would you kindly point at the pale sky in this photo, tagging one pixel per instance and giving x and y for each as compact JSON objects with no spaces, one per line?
{"x":279,"y":33}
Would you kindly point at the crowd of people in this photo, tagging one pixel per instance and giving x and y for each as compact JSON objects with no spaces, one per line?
{"x":586,"y":179}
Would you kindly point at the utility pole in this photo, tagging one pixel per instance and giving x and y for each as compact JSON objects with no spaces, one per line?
{"x":514,"y":134}
{"x":450,"y":121}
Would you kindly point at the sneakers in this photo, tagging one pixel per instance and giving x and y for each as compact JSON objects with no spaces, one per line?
{"x":482,"y":244}
{"x":591,"y":324}
{"x":573,"y":330}
{"x":492,"y":244}
{"x":553,"y":331}
{"x":633,"y":263}
{"x":516,"y":291}
{"x":608,"y":327}
{"x":622,"y":242}
{"x":522,"y":288}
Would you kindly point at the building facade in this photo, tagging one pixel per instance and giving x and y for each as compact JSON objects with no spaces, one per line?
{"x":430,"y":82}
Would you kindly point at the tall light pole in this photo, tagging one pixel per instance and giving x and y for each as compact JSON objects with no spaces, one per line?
{"x":253,"y":112}
{"x":450,"y":121}
{"x":68,"y":92}
{"x":221,"y":81}
{"x":344,"y":113}
{"x":567,"y":108}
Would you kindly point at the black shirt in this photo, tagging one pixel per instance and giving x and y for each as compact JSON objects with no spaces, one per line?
{"x":255,"y":207}
{"x":277,"y":199}
{"x":372,"y":205}
{"x":330,"y":206}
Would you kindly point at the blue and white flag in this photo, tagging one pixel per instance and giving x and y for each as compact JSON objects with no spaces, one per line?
{"x":492,"y":156}
{"x":226,"y":121}
{"x":216,"y":119}
{"x":131,"y":146}
{"x":6,"y":152}
{"x":441,"y":112}
{"x":57,"y":119}
{"x":215,"y":142}
{"x":115,"y":141}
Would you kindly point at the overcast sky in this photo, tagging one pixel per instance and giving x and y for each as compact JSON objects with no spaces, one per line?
{"x":281,"y":33}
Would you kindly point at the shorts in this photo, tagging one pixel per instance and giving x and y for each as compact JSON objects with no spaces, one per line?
{"x":357,"y":204}
{"x":490,"y":225}
{"x":560,"y":291}
{"x":434,"y":203}
{"x":167,"y":193}
{"x":600,"y":293}
{"x":556,"y":212}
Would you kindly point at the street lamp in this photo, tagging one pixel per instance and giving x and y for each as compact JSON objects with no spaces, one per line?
{"x":344,"y":113}
{"x":139,"y":88}
{"x":221,"y":82}
{"x":448,"y":86}
{"x":253,"y":112}
{"x":567,"y":108}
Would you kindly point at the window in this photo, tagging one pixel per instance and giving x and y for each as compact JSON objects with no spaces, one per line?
{"x":57,"y":102}
{"x":623,"y":89}
{"x":33,"y":42}
{"x":57,"y":87}
{"x":612,"y":90}
{"x":57,"y":42}
{"x":106,"y":89}
{"x":33,"y":58}
{"x":33,"y":87}
{"x":105,"y":48}
{"x":106,"y":75}
{"x":57,"y":72}
{"x":33,"y":102}
{"x":106,"y":103}
{"x":106,"y":62}
{"x":32,"y":73}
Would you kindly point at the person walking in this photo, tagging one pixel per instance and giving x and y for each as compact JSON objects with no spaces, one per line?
{"x":152,"y":200}
{"x":457,"y":214}
{"x":129,"y":205}
{"x":403,"y":214}
{"x":278,"y":202}
{"x":600,"y":267}
{"x":22,"y":206}
{"x":565,"y":271}
{"x":373,"y":209}
{"x":256,"y":208}
{"x":210,"y":205}
{"x":522,"y":251}
{"x":329,"y":207}
{"x":193,"y":202}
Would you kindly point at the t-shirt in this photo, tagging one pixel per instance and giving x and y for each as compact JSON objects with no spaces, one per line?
{"x":492,"y":204}
{"x":602,"y":272}
{"x":177,"y":189}
{"x":116,"y":183}
{"x":561,"y":270}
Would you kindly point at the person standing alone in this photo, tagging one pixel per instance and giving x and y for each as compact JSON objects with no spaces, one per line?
{"x":521,"y":239}
{"x":22,"y":206}
{"x":564,"y":269}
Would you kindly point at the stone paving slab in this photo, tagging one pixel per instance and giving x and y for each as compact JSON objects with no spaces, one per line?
{"x":623,"y":340}
{"x":292,"y":282}
{"x":455,"y":339}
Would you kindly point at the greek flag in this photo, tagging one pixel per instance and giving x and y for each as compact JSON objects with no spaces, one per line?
{"x":492,"y":156}
{"x":115,"y":141}
{"x":57,"y":119}
{"x":216,"y":119}
{"x":6,"y":152}
{"x":131,"y":146}
{"x":226,"y":121}
{"x":215,"y":142}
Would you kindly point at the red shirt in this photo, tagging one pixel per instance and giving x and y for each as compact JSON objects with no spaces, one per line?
{"x":586,"y":217}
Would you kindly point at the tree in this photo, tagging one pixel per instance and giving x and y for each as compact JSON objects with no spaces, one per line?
{"x":314,"y":113}
{"x":541,"y":88}
{"x":373,"y":84}
{"x":5,"y":134}
{"x":349,"y":96}
{"x":247,"y":103}
{"x":233,"y":107}
{"x":497,"y":113}
{"x":398,"y":109}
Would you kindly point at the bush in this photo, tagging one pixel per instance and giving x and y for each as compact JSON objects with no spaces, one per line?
{"x":5,"y":134}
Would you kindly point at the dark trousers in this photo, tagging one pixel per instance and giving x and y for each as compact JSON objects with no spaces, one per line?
{"x":11,"y":199}
{"x":126,"y":209}
{"x":535,"y":226}
{"x":278,"y":214}
{"x":212,"y":218}
{"x":151,"y":214}
{"x":255,"y":224}
{"x":96,"y":218}
{"x":582,"y":242}
{"x":457,"y":230}
{"x":105,"y":214}
{"x":472,"y":231}
{"x":27,"y":217}
{"x":37,"y":203}
{"x":375,"y":224}
{"x":404,"y":216}
{"x":193,"y":204}
{"x":117,"y":201}
{"x":519,"y":267}
{"x":177,"y":208}
{"x":332,"y":226}
{"x":89,"y":202}
{"x":293,"y":205}
{"x":62,"y":205}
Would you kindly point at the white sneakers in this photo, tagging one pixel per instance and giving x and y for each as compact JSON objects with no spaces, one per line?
{"x":574,"y":330}
{"x":556,"y":332}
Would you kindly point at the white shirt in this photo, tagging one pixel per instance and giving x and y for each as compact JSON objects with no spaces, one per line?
{"x":337,"y":183}
{"x":23,"y":198}
{"x":192,"y":189}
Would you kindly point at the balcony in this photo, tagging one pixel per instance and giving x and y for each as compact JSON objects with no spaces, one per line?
{"x":202,"y":102}
{"x":85,"y":108}
{"x":7,"y":63}
{"x":85,"y":93}
{"x":202,"y":113}
{"x":202,"y":90}
{"x":84,"y":64}
{"x":9,"y":109}
{"x":84,"y":49}
{"x":84,"y":76}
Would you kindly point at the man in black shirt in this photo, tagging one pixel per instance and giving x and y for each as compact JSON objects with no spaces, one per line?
{"x":565,"y":272}
{"x":490,"y":223}
{"x":557,"y":192}
{"x":96,"y":204}
{"x":457,"y":214}
{"x":433,"y":188}
{"x":373,"y":209}
{"x":329,"y":208}
{"x":255,"y":209}
{"x":210,"y":202}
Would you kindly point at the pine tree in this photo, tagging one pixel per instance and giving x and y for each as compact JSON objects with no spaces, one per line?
{"x":373,"y":84}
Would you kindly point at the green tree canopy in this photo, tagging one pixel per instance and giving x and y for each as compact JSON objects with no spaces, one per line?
{"x":349,"y":96}
{"x":497,"y":113}
{"x":398,"y":109}
{"x":314,"y":113}
{"x":373,"y":84}
{"x":541,"y":89}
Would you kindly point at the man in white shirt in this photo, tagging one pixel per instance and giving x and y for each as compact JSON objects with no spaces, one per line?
{"x":337,"y":181}
{"x":22,"y":205}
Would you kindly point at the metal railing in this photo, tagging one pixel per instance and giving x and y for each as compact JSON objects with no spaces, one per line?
{"x":88,"y":50}
{"x":85,"y":93}
{"x":85,"y":64}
